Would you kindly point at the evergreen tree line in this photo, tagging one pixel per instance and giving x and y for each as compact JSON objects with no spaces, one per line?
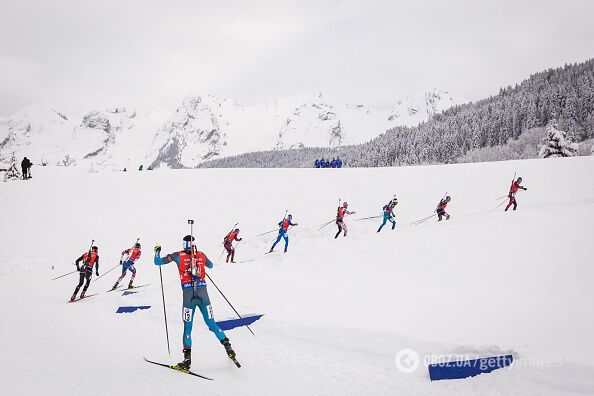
{"x":564,"y":94}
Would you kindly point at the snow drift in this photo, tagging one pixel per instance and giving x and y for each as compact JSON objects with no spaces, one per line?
{"x":337,"y":312}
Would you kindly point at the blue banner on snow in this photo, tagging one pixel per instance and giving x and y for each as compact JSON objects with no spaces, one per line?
{"x":468,"y":368}
{"x":233,"y":323}
{"x":128,"y":293}
{"x":132,"y":309}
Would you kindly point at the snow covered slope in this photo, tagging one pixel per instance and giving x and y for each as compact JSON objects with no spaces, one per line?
{"x":202,"y":128}
{"x":337,"y":311}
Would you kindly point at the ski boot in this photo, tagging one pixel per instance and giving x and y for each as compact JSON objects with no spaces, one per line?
{"x":115,"y":286}
{"x":130,"y":285}
{"x":285,"y":250}
{"x":270,"y":251}
{"x":230,"y":351}
{"x":73,"y":297}
{"x":82,"y":295}
{"x":228,"y":348}
{"x":187,"y":362}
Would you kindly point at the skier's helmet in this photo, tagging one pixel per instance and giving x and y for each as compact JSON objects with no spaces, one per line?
{"x":95,"y":249}
{"x":345,"y":205}
{"x":188,"y":243}
{"x":519,"y":179}
{"x":237,"y":230}
{"x":448,"y":198}
{"x":290,"y":216}
{"x":137,"y":245}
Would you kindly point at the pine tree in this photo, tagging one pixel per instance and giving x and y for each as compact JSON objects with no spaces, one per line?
{"x":557,"y":143}
{"x":13,"y":171}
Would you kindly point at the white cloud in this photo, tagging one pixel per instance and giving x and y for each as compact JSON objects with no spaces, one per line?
{"x":79,"y":55}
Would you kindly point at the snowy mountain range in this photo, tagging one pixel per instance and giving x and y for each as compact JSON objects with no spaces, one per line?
{"x":202,"y":128}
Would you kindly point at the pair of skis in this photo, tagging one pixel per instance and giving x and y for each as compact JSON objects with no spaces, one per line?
{"x":187,"y":371}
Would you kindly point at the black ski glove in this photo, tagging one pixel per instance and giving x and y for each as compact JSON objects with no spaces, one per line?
{"x":120,"y":262}
{"x":240,"y":239}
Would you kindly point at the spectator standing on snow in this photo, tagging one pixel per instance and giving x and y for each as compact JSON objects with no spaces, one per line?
{"x":26,"y":168}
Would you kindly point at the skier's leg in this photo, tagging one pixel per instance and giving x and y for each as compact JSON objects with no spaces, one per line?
{"x":339,"y":229}
{"x":278,"y":238}
{"x":393,"y":221}
{"x":189,"y":305}
{"x":383,"y":224}
{"x":515,"y":204}
{"x":232,"y":255}
{"x":229,"y":250}
{"x":133,"y":270}
{"x":286,"y":237}
{"x":511,"y":200}
{"x":344,"y":227}
{"x":80,"y":283}
{"x":88,"y":278}
{"x":207,"y":314}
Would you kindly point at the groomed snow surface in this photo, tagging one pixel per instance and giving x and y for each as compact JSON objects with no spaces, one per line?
{"x":337,"y":312}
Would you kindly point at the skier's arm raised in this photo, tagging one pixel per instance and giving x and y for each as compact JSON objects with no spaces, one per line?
{"x":158,"y":260}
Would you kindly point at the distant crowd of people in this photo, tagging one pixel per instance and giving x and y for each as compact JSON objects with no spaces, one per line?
{"x":323,"y":163}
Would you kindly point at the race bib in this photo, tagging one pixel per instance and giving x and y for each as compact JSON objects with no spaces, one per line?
{"x":187,"y":315}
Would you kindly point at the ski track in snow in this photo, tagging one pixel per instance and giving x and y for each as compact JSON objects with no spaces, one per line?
{"x":336,"y":311}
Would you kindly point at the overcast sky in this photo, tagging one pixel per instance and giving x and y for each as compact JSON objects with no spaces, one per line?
{"x":78,"y":55}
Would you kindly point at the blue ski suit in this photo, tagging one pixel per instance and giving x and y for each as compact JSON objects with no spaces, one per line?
{"x":282,"y":233}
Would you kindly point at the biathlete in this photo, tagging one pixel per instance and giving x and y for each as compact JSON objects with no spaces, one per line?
{"x":228,"y":243}
{"x":191,"y":265}
{"x":389,"y":213}
{"x":512,"y":193}
{"x":127,"y":261}
{"x":283,"y":232}
{"x":89,"y":260}
{"x":441,"y":207}
{"x":340,"y":215}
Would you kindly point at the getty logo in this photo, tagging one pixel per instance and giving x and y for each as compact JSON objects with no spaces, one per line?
{"x":407,"y":360}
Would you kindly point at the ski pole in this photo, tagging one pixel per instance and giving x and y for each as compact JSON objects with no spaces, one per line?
{"x":367,"y":218}
{"x":238,"y":315}
{"x":61,"y":276}
{"x":325,"y":224}
{"x":99,"y":277}
{"x":268,"y":232}
{"x":164,"y":311}
{"x":422,"y":220}
{"x":502,"y":202}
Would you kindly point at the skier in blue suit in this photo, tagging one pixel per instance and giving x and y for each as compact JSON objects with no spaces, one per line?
{"x":282,"y":232}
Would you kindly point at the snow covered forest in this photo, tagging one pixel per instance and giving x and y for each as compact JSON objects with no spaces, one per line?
{"x":470,"y":132}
